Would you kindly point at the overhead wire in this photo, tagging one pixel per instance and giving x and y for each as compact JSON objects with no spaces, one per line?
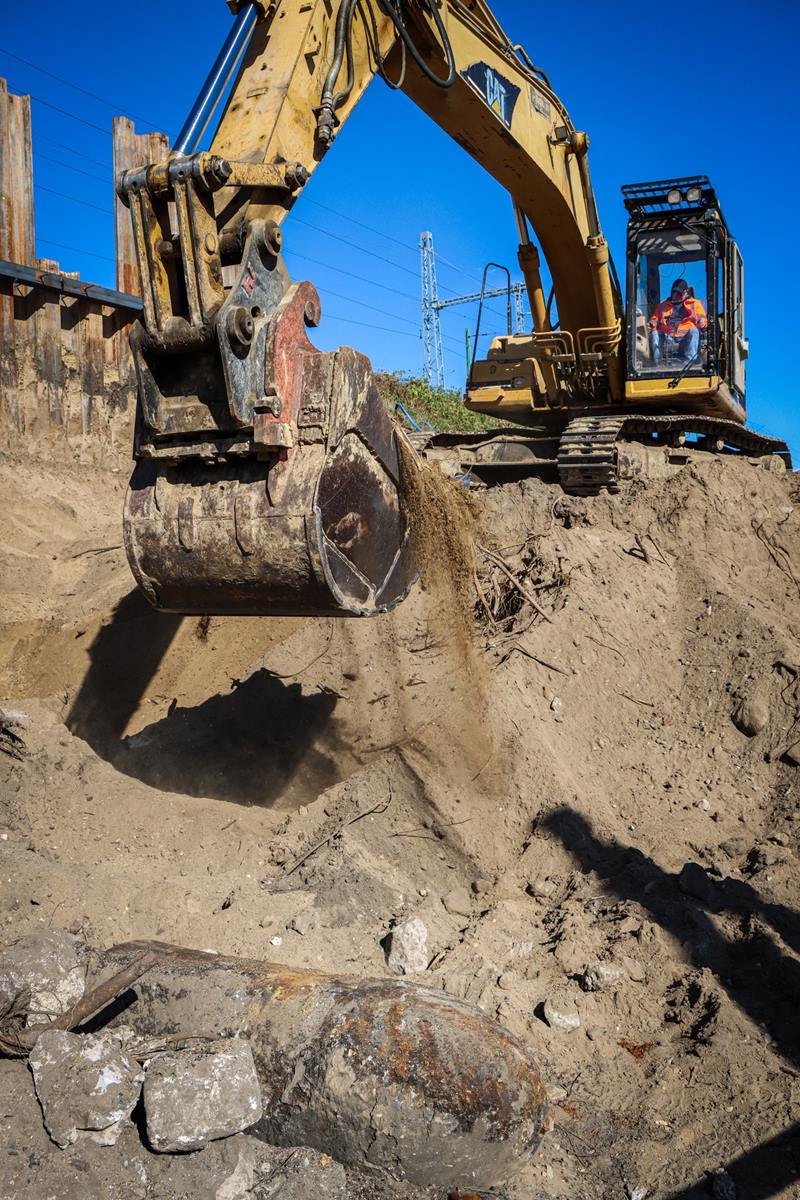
{"x":355,"y":246}
{"x":75,"y":199}
{"x":59,"y":162}
{"x":367,"y":325}
{"x":372,"y":308}
{"x":41,"y":137}
{"x":381,"y":257}
{"x":65,"y":112}
{"x":76,"y":87}
{"x":75,"y":249}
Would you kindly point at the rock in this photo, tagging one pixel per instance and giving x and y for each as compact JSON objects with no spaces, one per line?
{"x":542,"y":889}
{"x":408,"y":948}
{"x":635,"y":969}
{"x":722,"y":1186}
{"x":601,"y":977}
{"x":458,"y":903}
{"x":85,"y":1083}
{"x":752,"y":714}
{"x":305,"y":1174}
{"x":44,"y":970}
{"x":192,"y":1097}
{"x":561,"y":1016}
{"x":761,"y":857}
{"x":735,"y":847}
{"x":695,"y":881}
{"x":481,"y":887}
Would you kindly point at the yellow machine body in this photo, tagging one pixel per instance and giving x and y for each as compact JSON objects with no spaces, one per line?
{"x":268,"y":478}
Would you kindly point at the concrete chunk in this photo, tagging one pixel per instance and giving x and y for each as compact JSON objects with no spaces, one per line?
{"x":408,"y":950}
{"x":86,"y":1084}
{"x":46,"y":970}
{"x":192,"y":1097}
{"x":561,"y":1016}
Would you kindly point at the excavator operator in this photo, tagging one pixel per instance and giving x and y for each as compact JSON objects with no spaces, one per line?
{"x":675,"y":325}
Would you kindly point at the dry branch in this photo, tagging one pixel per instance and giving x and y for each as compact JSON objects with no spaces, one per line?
{"x":376,"y":808}
{"x":523,"y":591}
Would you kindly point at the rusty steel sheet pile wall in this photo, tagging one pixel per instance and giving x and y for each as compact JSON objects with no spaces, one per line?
{"x":67,"y":385}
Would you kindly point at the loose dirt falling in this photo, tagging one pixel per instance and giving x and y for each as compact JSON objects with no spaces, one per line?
{"x":443,"y":526}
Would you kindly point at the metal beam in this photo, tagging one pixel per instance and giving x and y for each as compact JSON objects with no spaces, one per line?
{"x":475,"y":296}
{"x":56,"y":282}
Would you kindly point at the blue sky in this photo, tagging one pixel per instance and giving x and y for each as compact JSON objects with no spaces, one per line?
{"x":708,"y":89}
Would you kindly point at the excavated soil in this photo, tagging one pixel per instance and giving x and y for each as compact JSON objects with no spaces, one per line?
{"x":291,"y":789}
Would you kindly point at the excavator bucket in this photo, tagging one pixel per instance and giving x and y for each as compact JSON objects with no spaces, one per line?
{"x":268,"y":479}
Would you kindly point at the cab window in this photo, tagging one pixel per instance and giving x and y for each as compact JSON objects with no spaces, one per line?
{"x":669,"y":334}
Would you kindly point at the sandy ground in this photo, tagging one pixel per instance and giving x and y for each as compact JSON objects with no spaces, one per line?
{"x":291,"y":789}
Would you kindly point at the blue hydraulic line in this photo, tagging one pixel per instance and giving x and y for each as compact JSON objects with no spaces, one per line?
{"x":412,"y":422}
{"x":236,"y":43}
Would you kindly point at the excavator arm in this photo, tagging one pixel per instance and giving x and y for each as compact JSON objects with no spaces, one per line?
{"x":268,"y":477}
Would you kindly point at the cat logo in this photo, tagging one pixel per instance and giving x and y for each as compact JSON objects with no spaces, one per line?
{"x":499,"y":93}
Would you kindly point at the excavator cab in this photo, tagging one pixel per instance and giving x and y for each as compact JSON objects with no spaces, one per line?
{"x":688,"y":344}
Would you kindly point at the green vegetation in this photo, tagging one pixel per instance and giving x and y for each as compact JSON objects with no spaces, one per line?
{"x":443,"y":407}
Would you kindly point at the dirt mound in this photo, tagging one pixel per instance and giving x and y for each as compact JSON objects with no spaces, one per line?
{"x":593,"y":810}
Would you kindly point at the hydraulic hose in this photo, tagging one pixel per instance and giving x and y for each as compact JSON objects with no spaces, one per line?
{"x":396,"y":17}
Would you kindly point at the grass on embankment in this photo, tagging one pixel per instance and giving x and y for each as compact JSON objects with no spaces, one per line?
{"x":442,"y":407}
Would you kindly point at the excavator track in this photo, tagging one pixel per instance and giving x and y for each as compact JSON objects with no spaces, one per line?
{"x":588,"y":458}
{"x":587,"y":455}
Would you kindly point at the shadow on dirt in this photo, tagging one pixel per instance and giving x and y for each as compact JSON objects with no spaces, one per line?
{"x":261,"y":743}
{"x":762,"y":980}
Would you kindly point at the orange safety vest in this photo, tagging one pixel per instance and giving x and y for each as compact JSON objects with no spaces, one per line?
{"x":675,"y":320}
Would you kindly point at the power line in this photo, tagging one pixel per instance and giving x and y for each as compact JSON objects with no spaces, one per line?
{"x":60,"y":163}
{"x":41,"y":137}
{"x":75,"y":87}
{"x":350,"y":274}
{"x":371,"y":283}
{"x":300,"y":221}
{"x":75,"y":199}
{"x":63,"y":111}
{"x":363,"y":304}
{"x":389,"y":238}
{"x":362,"y":225}
{"x":75,"y":249}
{"x":355,"y":246}
{"x":366,"y":325}
{"x":372,"y":308}
{"x":326,"y":208}
{"x":380,"y":257}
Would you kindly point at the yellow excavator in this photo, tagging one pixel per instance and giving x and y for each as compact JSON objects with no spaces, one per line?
{"x":268,"y":478}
